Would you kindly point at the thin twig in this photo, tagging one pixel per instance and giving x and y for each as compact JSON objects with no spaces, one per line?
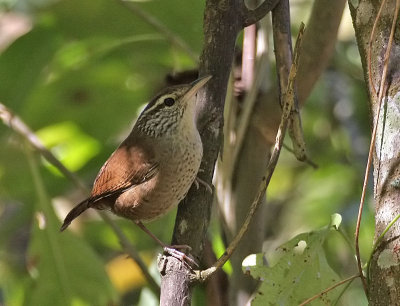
{"x":307,"y":160}
{"x":288,"y":99}
{"x":252,"y":16}
{"x":160,"y":27}
{"x":372,"y":144}
{"x":16,"y":124}
{"x":329,"y":289}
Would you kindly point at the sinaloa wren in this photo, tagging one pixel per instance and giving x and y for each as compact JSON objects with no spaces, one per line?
{"x":154,"y":167}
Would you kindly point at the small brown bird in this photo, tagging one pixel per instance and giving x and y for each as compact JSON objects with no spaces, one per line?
{"x":154,"y":167}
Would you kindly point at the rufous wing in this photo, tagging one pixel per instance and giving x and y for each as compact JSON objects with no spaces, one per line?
{"x":133,"y":163}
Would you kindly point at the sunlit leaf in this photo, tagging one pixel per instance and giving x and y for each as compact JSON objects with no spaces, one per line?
{"x":72,"y":146}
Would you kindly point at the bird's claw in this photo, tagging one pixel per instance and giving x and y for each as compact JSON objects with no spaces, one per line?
{"x":172,"y":250}
{"x":199,"y":181}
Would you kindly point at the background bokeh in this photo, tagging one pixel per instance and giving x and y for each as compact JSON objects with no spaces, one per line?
{"x":78,"y":73}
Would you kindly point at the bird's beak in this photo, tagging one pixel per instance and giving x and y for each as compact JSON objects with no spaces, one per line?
{"x":196,"y":85}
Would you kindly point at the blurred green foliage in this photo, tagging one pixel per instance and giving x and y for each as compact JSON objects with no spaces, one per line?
{"x":53,"y":260}
{"x":78,"y":78}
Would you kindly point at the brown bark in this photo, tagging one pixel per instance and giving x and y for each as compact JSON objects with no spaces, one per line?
{"x":176,"y":282}
{"x":384,"y":271}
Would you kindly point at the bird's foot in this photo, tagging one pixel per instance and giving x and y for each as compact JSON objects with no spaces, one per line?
{"x":199,"y":181}
{"x":173,"y":251}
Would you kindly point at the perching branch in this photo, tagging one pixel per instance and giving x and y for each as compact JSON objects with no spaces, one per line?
{"x":15,"y":123}
{"x":250,"y":16}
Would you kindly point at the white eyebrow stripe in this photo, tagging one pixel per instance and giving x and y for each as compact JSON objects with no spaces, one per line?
{"x":159,"y":101}
{"x":154,"y":106}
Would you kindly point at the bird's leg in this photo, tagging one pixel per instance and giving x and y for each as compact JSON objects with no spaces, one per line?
{"x":170,"y":249}
{"x":143,"y":228}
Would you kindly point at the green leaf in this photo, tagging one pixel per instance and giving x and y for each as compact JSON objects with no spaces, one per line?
{"x":63,"y":268}
{"x":300,"y":272}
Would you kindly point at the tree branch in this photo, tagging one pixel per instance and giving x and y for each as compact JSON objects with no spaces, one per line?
{"x":250,"y":16}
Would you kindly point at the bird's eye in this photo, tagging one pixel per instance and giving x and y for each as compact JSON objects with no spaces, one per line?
{"x":169,"y":101}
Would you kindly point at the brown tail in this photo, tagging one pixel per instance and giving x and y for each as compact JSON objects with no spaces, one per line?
{"x":75,"y":212}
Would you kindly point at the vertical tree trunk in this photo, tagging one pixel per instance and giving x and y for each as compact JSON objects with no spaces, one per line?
{"x":384,"y":272}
